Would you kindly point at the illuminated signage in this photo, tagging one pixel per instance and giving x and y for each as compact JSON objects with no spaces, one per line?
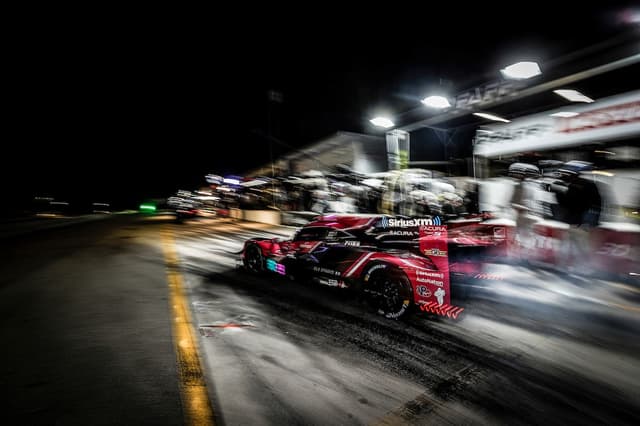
{"x":483,"y":95}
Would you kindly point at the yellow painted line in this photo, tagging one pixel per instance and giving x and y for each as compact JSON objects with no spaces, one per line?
{"x":196,"y":406}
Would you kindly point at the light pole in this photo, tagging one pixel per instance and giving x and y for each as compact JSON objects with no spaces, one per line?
{"x":273,"y":97}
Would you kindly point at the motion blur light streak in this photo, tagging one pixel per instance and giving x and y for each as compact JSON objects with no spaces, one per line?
{"x":602,"y":173}
{"x":564,"y":114}
{"x":227,"y":325}
{"x":147,"y":208}
{"x":491,"y":117}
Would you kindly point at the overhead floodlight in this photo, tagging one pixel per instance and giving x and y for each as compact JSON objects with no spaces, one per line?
{"x":436,"y":102}
{"x":573,"y":95}
{"x":564,"y":114}
{"x":491,"y":117}
{"x":521,"y":70}
{"x":382,"y":122}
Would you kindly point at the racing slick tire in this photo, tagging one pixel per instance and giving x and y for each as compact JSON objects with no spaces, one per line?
{"x":388,"y":291}
{"x":253,"y":259}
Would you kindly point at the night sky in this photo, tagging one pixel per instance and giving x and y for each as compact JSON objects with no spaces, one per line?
{"x":121,"y":105}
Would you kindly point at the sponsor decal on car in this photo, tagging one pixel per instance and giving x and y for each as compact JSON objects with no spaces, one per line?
{"x":392,"y":222}
{"x":423,"y":291}
{"x":434,"y":278}
{"x":435,"y":252}
{"x":404,"y":233}
{"x":333,"y":283}
{"x":326,"y":271}
{"x":429,"y":281}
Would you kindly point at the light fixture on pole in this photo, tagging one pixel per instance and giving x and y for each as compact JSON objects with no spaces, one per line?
{"x":382,"y":122}
{"x":573,"y":95}
{"x":439,"y":102}
{"x":521,"y":70}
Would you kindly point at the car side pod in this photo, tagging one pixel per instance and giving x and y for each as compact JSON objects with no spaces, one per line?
{"x":450,"y":311}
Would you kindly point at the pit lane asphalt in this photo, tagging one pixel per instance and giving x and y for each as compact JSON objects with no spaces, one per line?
{"x":534,"y":347}
{"x":87,"y":339}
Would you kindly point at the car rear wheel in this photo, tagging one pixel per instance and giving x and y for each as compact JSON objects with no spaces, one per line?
{"x":253,"y":259}
{"x":388,"y":290}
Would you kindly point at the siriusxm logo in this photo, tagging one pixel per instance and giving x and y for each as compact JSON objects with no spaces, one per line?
{"x":408,"y":223}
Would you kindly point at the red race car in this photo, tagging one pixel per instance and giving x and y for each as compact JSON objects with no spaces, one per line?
{"x":399,"y":264}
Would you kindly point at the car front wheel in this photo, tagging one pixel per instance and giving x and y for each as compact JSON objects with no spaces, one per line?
{"x":253,"y":259}
{"x":388,"y":290}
